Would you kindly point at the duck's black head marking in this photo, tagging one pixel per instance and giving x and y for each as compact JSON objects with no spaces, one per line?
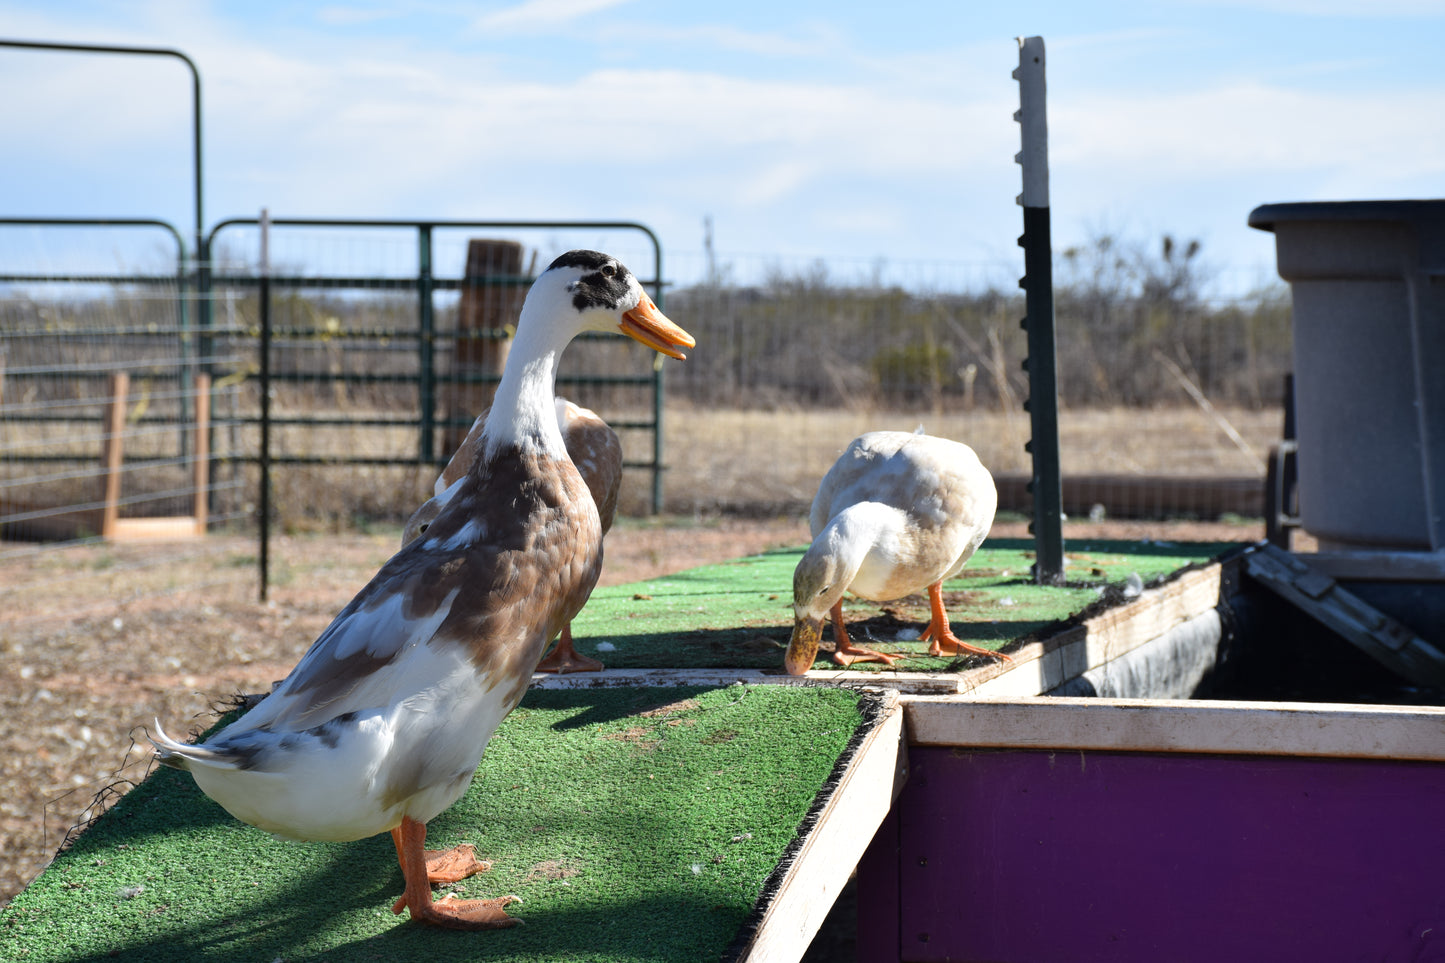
{"x":605,"y":282}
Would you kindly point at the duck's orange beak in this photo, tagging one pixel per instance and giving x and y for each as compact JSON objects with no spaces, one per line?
{"x":647,"y":324}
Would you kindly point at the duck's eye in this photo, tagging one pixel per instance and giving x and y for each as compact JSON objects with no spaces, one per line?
{"x":421,"y":529}
{"x":609,"y":270}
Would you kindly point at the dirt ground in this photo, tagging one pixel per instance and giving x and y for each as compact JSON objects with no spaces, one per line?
{"x":103,"y":645}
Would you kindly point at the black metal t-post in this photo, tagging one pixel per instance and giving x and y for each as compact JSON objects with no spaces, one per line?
{"x":1047,"y":485}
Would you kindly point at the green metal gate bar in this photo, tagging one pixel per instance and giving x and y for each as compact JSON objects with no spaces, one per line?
{"x":144,"y":52}
{"x":188,"y":363}
{"x":426,"y":284}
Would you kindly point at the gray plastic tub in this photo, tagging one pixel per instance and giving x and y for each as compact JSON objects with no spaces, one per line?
{"x":1368,"y":282}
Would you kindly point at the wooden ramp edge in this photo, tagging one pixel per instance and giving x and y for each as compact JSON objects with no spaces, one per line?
{"x":1102,"y":633}
{"x":1107,"y":631}
{"x":806,"y":883}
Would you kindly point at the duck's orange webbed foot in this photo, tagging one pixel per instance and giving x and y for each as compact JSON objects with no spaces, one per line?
{"x":453,"y":865}
{"x":464,"y":914}
{"x":565,"y":658}
{"x":951,"y":644}
{"x":856,"y":653}
{"x":421,"y":868}
{"x":941,"y":637}
{"x":845,"y":652}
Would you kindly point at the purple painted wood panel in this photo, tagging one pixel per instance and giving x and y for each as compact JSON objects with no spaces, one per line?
{"x":877,"y":894}
{"x":1030,"y":855}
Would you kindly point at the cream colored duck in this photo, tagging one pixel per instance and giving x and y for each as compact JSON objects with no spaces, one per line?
{"x":896,"y":514}
{"x":382,"y":723}
{"x":596,"y":451}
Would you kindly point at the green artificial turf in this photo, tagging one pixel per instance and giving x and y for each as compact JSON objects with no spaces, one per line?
{"x":636,"y":824}
{"x":739,"y":614}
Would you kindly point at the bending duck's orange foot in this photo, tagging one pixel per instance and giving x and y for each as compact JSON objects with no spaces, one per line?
{"x":944,"y":642}
{"x":856,"y":653}
{"x":951,"y":644}
{"x":845,"y":652}
{"x":565,"y":658}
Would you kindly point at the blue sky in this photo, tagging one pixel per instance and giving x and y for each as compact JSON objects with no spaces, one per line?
{"x":848,"y":132}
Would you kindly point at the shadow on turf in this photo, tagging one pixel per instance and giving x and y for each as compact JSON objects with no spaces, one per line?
{"x":338,"y":907}
{"x":763,"y":647}
{"x":591,"y":935}
{"x":609,"y":709}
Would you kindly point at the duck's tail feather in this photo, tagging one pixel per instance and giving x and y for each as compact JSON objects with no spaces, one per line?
{"x":183,"y":755}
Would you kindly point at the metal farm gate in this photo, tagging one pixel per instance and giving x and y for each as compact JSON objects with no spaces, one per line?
{"x":317,"y":385}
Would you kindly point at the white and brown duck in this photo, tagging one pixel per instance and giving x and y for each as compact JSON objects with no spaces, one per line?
{"x":382,"y":723}
{"x":596,"y":451}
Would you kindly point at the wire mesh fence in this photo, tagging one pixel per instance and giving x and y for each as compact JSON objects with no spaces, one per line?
{"x":109,"y":430}
{"x":125,"y":399}
{"x":130,"y":402}
{"x":1170,"y":399}
{"x":387,"y":341}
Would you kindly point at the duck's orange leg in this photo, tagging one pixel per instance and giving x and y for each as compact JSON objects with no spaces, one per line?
{"x":942,"y":637}
{"x":844,"y":651}
{"x":565,"y":658}
{"x":457,"y":914}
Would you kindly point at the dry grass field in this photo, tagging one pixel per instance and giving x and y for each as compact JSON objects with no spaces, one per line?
{"x":752,"y":461}
{"x":760,"y":463}
{"x":756,"y":461}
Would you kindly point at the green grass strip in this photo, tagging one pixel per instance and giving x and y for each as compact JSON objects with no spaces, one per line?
{"x":739,"y":614}
{"x":636,"y":824}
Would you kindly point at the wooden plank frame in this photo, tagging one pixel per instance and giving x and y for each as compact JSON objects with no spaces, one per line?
{"x":1332,"y":730}
{"x":115,"y":528}
{"x":1236,"y":830}
{"x":803,"y":889}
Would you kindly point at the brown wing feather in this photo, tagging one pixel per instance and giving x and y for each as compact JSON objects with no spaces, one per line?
{"x":501,"y":572}
{"x":597,"y":452}
{"x":542,"y":556}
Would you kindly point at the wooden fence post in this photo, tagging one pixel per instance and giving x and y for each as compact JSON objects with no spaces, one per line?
{"x":480,"y":347}
{"x":113,"y":453}
{"x":201,"y":451}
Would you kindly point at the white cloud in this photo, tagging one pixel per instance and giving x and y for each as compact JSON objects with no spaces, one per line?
{"x":340,"y":16}
{"x":774,"y":181}
{"x":1255,"y":130}
{"x":816,"y":40}
{"x":541,"y":14}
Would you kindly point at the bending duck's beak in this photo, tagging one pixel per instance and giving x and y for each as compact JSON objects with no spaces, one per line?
{"x":645,"y":323}
{"x":803,"y":646}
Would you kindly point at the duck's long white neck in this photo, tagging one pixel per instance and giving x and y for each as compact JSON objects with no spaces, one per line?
{"x":841,"y":550}
{"x":524,"y":409}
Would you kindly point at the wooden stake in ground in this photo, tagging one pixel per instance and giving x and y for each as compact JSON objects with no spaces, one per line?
{"x":479,"y":350}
